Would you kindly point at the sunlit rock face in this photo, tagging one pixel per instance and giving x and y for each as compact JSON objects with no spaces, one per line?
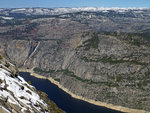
{"x":16,"y":95}
{"x":102,"y":55}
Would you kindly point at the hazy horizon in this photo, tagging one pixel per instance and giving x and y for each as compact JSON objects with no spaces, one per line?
{"x":74,"y":3}
{"x":73,"y":7}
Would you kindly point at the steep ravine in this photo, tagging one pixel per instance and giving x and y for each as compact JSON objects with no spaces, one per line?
{"x":31,"y":52}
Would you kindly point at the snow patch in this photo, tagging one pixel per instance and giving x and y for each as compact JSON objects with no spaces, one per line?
{"x":20,"y":90}
{"x":7,"y":18}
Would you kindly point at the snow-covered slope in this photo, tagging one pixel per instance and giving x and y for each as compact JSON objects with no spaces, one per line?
{"x":16,"y":95}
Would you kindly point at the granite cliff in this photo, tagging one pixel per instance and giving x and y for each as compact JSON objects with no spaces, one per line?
{"x":104,"y":56}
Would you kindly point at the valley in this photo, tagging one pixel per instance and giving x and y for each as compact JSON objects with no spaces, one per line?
{"x":101,"y":55}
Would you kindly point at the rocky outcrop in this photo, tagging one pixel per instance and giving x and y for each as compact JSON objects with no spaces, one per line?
{"x":17,"y":96}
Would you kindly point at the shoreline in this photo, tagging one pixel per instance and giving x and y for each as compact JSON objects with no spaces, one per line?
{"x":98,"y":103}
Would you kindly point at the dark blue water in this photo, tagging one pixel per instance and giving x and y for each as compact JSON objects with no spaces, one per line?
{"x":64,"y":100}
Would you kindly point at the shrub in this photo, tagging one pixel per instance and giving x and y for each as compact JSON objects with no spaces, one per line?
{"x":29,"y":82}
{"x":1,"y":57}
{"x":92,"y":43}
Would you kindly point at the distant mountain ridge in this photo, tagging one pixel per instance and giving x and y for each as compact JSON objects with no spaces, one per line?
{"x":56,"y":11}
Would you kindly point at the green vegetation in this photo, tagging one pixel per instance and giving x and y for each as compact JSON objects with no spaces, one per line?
{"x":38,"y":70}
{"x":142,"y":83}
{"x":29,"y":82}
{"x":111,"y":61}
{"x":1,"y":57}
{"x":57,"y":79}
{"x":118,"y":78}
{"x":136,"y":39}
{"x":7,"y":64}
{"x":92,"y":43}
{"x":133,"y":41}
{"x":31,"y":27}
{"x":114,"y":83}
{"x":109,"y":33}
{"x":65,"y":72}
{"x":71,"y":74}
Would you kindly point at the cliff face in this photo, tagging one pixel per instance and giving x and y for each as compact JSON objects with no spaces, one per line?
{"x":91,"y":54}
{"x":17,"y":96}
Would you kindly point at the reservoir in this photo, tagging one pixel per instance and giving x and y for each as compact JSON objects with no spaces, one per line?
{"x":62,"y":99}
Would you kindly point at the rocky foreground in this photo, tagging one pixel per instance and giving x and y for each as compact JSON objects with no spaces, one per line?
{"x":17,"y":96}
